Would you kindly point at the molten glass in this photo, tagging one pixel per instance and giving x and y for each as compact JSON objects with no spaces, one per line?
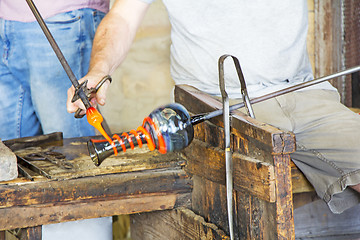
{"x":167,"y":129}
{"x":95,"y":119}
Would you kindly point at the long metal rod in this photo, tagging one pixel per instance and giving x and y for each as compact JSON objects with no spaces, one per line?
{"x":58,"y":53}
{"x":201,"y":118}
{"x":227,"y":136}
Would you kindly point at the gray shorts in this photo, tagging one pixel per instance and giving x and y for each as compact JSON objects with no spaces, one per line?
{"x":327,"y":141}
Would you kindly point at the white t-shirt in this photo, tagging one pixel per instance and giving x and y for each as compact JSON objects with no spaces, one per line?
{"x":268,"y":38}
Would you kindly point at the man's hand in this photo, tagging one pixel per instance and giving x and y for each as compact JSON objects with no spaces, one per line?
{"x":111,"y":43}
{"x":99,"y":98}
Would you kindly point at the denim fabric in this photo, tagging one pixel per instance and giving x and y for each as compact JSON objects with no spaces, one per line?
{"x":33,"y":84}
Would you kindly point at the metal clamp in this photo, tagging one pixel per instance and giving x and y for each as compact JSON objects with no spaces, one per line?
{"x":89,"y":92}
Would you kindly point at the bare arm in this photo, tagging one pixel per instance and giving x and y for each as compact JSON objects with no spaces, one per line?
{"x":112,"y":42}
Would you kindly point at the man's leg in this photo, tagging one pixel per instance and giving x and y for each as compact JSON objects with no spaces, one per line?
{"x":327,"y":146}
{"x":48,"y":80}
{"x":17,"y":115}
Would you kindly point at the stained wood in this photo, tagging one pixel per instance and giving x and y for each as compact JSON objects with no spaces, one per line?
{"x":299,"y":182}
{"x":95,"y":188}
{"x":264,"y":208}
{"x":132,"y":182}
{"x":33,"y":233}
{"x":253,"y":136}
{"x":75,"y":150}
{"x":173,"y":224}
{"x":250,"y":174}
{"x":22,"y":217}
{"x":209,"y":201}
{"x":255,"y":217}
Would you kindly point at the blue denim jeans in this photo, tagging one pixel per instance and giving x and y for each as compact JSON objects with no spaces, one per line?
{"x":33,"y":84}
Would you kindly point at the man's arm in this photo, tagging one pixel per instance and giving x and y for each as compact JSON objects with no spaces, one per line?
{"x":112,"y":42}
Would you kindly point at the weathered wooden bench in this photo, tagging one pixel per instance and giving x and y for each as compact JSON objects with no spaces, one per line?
{"x":265,"y":179}
{"x":137,"y":181}
{"x":177,"y":195}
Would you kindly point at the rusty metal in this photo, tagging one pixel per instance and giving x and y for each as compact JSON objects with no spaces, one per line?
{"x":32,"y":167}
{"x":56,"y":139}
{"x":55,"y":158}
{"x":23,"y":172}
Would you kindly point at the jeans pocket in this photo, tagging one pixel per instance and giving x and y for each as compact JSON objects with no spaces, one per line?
{"x":97,"y":17}
{"x":64,"y":18}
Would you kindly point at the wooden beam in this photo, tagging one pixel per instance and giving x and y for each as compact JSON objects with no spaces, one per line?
{"x":328,"y":41}
{"x":42,"y":214}
{"x":249,"y":174}
{"x":94,"y":188}
{"x":174,"y":224}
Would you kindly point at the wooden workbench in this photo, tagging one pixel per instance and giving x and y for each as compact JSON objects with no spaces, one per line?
{"x":177,"y":195}
{"x":264,"y":178}
{"x":136,"y":181}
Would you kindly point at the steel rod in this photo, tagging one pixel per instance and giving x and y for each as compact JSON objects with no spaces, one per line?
{"x":201,"y":118}
{"x":227,"y":136}
{"x":58,"y":53}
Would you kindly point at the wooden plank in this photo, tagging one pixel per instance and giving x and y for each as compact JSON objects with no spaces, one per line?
{"x":209,"y":201}
{"x":250,"y":174}
{"x":32,"y":233}
{"x":95,"y":188}
{"x":42,"y":214}
{"x":284,"y":201}
{"x":242,"y":125}
{"x":173,"y":224}
{"x":316,"y":221}
{"x":76,"y":153}
{"x":299,"y":182}
{"x":328,"y":40}
{"x":255,"y":218}
{"x":54,"y":139}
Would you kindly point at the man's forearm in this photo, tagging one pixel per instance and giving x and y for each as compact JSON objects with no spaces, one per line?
{"x":115,"y":35}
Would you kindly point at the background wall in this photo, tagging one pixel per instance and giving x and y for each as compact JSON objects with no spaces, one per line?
{"x":143,"y":81}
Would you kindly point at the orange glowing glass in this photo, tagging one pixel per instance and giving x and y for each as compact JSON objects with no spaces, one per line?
{"x":95,"y":119}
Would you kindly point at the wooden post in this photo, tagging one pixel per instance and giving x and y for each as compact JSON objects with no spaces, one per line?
{"x":32,"y":233}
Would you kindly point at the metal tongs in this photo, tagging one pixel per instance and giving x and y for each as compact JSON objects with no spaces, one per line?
{"x":226,"y":115}
{"x":89,"y":92}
